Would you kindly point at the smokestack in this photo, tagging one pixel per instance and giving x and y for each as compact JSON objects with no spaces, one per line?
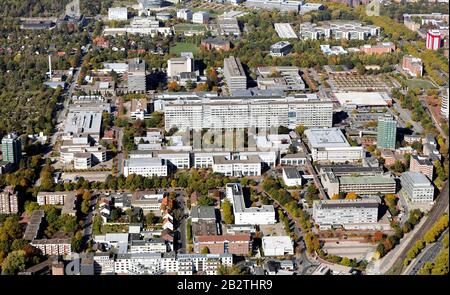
{"x":50,"y":66}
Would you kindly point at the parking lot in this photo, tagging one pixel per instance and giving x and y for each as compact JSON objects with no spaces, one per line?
{"x":350,"y":248}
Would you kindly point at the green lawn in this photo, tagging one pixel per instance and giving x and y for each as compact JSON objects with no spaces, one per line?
{"x":184,"y":47}
{"x":419,"y":83}
{"x":187,"y":27}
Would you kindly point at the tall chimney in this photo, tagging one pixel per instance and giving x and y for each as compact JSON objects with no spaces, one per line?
{"x":50,"y":66}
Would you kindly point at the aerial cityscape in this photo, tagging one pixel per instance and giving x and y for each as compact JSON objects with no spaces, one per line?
{"x":224,"y":137}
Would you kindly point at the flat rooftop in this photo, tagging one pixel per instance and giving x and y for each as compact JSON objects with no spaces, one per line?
{"x":276,"y":242}
{"x":417,"y":178}
{"x":144,"y":162}
{"x":291,"y":173}
{"x":345,"y":203}
{"x":362,"y":98}
{"x":366,"y":180}
{"x":79,"y":121}
{"x":234,"y":66}
{"x":203,"y":212}
{"x":326,"y":137}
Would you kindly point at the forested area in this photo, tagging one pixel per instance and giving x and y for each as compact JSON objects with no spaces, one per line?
{"x":27,"y":104}
{"x":55,"y":8}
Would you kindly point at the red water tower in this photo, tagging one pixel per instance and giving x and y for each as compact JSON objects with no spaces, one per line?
{"x":434,"y":39}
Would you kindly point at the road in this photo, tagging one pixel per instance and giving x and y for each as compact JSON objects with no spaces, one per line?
{"x":61,"y":117}
{"x":313,"y":172}
{"x":433,"y":117}
{"x":435,"y":213}
{"x":429,"y":253}
{"x":305,"y":261}
{"x":88,"y":222}
{"x":405,"y":116}
{"x":182,"y":228}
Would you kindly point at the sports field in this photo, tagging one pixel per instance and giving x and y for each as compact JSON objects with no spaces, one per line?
{"x":184,"y":47}
{"x":419,"y":83}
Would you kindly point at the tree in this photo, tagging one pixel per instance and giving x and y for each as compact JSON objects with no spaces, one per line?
{"x":77,"y":241}
{"x":205,"y":201}
{"x":14,"y":263}
{"x":227,"y":208}
{"x":204,"y":250}
{"x":351,"y":196}
{"x":300,"y":129}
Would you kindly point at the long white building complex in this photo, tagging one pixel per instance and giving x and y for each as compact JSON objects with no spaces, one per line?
{"x":332,"y":213}
{"x":145,"y":167}
{"x":248,"y":215}
{"x":349,"y":30}
{"x":196,"y":112}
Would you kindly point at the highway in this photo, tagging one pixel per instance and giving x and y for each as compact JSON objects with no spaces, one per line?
{"x":439,"y":208}
{"x":429,"y":253}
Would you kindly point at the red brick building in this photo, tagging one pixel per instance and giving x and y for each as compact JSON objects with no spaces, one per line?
{"x":233,"y":244}
{"x":380,"y":48}
{"x":216,"y":43}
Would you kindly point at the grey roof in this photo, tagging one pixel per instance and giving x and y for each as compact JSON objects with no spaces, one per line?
{"x":203,"y":212}
{"x":356,"y":203}
{"x":291,"y":173}
{"x":416,"y":178}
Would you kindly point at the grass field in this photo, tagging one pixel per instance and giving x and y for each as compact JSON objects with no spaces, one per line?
{"x":188,"y":27}
{"x":419,"y":83}
{"x":184,"y":47}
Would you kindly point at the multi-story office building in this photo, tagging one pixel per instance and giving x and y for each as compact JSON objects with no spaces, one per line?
{"x":277,"y":245}
{"x":11,"y":148}
{"x":9,"y":201}
{"x":137,"y":76}
{"x":81,"y":125}
{"x":248,"y":215}
{"x":228,"y":25}
{"x":157,"y":263}
{"x":117,"y":13}
{"x":386,"y":132}
{"x":331,"y":213}
{"x":200,"y":17}
{"x":281,"y":48}
{"x":245,"y":112}
{"x":349,"y":30}
{"x":53,"y":246}
{"x":185,"y":14}
{"x":422,"y":165}
{"x":157,"y":245}
{"x":444,"y":104}
{"x":380,"y":48}
{"x":54,"y":198}
{"x":238,"y":244}
{"x":182,"y":64}
{"x":330,"y":145}
{"x":281,"y":5}
{"x":180,"y":160}
{"x":244,"y":166}
{"x":145,"y":167}
{"x":334,"y":183}
{"x":412,"y":65}
{"x":417,"y":187}
{"x":234,"y":74}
